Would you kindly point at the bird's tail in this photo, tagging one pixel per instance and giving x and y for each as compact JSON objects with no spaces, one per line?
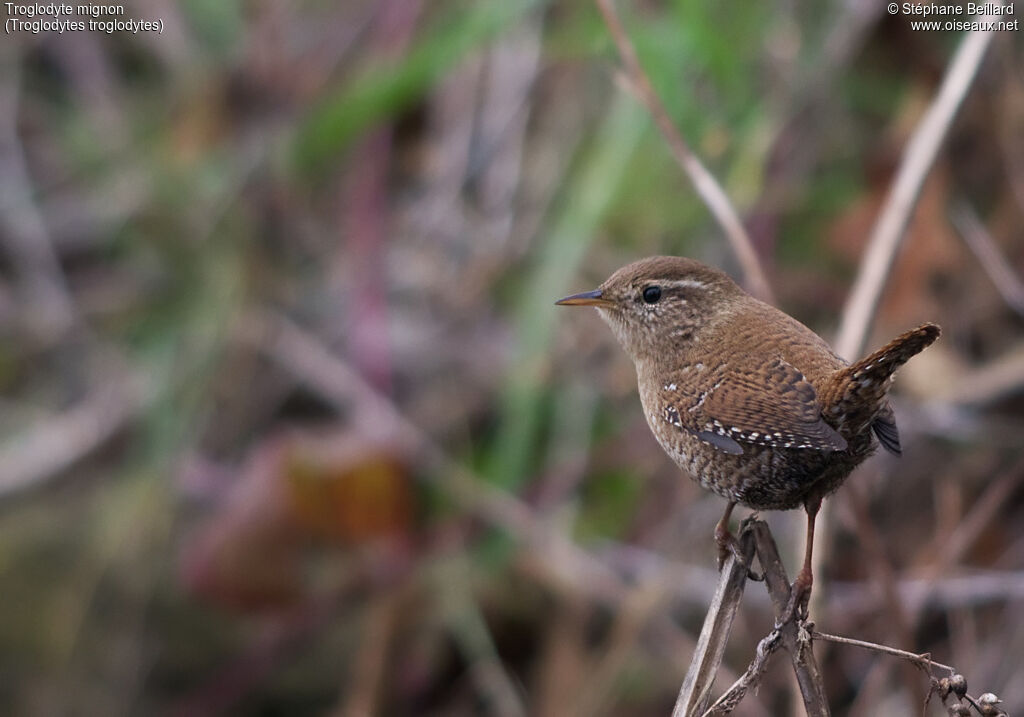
{"x":882,"y":364}
{"x":860,"y":389}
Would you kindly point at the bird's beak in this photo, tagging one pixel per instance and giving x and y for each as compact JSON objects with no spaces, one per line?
{"x":587,"y":298}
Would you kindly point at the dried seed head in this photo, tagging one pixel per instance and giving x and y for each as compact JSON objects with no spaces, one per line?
{"x":942,"y":688}
{"x":989,"y":705}
{"x":955,"y":684}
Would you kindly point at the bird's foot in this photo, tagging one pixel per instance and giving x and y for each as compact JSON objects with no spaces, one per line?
{"x":728,"y":545}
{"x":799,"y":597}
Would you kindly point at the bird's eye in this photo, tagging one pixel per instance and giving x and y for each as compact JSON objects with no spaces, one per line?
{"x":652,"y":294}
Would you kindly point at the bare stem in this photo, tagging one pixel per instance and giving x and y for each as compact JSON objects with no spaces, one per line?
{"x":735,"y":694}
{"x":925,"y":663}
{"x":795,"y":635}
{"x":695,"y":693}
{"x":755,"y":537}
{"x":919,"y":660}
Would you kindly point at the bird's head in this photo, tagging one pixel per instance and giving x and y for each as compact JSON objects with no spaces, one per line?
{"x":659,"y":303}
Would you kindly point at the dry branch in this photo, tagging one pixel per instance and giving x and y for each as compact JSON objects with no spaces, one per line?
{"x":696,"y":690}
{"x":735,"y":694}
{"x":794,"y":635}
{"x":954,"y":684}
{"x":919,"y":660}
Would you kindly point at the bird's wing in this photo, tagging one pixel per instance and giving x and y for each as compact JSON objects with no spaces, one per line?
{"x":775,"y":406}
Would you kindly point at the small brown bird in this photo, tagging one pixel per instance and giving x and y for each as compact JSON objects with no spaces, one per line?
{"x":750,"y":402}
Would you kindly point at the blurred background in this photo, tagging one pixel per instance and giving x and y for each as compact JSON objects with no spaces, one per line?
{"x":290,"y":425}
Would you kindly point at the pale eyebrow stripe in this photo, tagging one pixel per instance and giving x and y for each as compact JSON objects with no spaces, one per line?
{"x":683,"y":284}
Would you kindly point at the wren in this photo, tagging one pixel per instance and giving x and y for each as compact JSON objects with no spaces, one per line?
{"x":750,"y":402}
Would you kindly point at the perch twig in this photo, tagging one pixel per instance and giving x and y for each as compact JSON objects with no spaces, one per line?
{"x":696,"y":690}
{"x":795,"y":634}
{"x":755,"y":537}
{"x":735,"y":694}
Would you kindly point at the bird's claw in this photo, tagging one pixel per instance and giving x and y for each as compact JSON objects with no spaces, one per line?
{"x":728,"y":545}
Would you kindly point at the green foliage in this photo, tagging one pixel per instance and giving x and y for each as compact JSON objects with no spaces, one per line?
{"x":608,"y":503}
{"x":873,"y":93}
{"x":385,"y":91}
{"x":218,"y":24}
{"x":703,"y":59}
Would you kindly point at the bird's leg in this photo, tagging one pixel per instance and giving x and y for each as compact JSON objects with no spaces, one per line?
{"x":725,"y":540}
{"x":800,"y":593}
{"x":727,"y":544}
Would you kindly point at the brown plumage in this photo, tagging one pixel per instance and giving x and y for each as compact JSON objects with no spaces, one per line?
{"x":750,"y":402}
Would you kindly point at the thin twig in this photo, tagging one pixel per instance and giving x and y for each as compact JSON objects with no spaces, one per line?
{"x":794,"y":632}
{"x":695,"y":693}
{"x":883,"y":572}
{"x":755,"y":537}
{"x":919,"y":660}
{"x":735,"y":694}
{"x":924,"y":662}
{"x":703,"y":182}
